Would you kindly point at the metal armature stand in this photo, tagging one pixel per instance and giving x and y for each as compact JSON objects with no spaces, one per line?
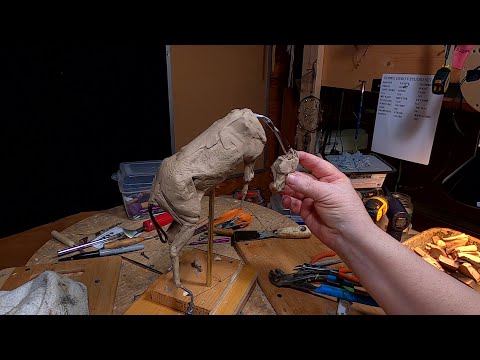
{"x":211,"y":201}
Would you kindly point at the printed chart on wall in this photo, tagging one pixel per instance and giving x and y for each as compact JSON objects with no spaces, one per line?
{"x":407,"y":116}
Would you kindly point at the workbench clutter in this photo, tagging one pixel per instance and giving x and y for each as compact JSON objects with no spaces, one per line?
{"x":170,"y":193}
{"x":367,"y":172}
{"x":135,"y":181}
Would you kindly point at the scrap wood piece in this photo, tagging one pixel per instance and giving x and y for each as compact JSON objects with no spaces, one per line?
{"x":461,"y":236}
{"x":419,"y":251}
{"x":436,"y":239}
{"x":436,"y":251}
{"x":467,"y":281}
{"x":467,"y":249}
{"x":472,"y":259}
{"x":448,"y":263}
{"x":428,"y":258}
{"x":468,"y":270}
{"x":452,"y":245}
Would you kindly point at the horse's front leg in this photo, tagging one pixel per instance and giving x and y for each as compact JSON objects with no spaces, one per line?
{"x":183,"y":236}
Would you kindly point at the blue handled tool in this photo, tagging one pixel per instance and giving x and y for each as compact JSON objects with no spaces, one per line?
{"x":301,"y":281}
{"x":342,"y":294}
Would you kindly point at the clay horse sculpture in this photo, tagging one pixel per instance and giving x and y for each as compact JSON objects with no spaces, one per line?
{"x":184,"y":177}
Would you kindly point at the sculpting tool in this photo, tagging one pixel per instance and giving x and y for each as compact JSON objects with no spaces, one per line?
{"x":104,"y":252}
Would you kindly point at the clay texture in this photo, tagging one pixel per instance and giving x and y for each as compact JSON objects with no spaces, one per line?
{"x":283,"y":166}
{"x":205,"y":162}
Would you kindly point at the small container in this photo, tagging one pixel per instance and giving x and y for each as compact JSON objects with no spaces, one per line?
{"x":371,"y":176}
{"x":135,"y":182}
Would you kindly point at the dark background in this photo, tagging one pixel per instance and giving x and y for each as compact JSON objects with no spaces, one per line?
{"x":69,"y":116}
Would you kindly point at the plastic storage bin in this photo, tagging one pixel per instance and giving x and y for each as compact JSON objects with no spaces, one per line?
{"x":135,"y":181}
{"x":365,"y":171}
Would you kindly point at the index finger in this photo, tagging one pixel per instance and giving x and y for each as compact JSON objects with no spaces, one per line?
{"x":321,"y":169}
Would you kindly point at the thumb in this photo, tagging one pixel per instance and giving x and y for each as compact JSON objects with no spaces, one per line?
{"x":307,"y":185}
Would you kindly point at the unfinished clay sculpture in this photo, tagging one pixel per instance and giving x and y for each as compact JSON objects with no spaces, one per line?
{"x":184,"y":177}
{"x":284,"y":165}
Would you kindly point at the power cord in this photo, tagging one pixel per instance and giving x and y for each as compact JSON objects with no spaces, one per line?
{"x":334,"y":150}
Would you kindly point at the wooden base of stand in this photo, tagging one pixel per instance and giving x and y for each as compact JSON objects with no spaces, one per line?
{"x":232,"y":283}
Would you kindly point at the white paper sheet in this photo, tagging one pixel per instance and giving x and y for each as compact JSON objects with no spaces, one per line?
{"x":407,"y":116}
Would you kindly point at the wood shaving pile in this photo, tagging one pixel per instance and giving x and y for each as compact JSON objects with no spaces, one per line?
{"x":456,"y":256}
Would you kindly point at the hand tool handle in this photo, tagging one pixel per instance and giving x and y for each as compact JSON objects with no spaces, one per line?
{"x":200,"y":229}
{"x":121,"y":250}
{"x":218,"y":231}
{"x":336,"y":280}
{"x":344,"y":295}
{"x":322,"y":255}
{"x":162,"y":219}
{"x":62,"y":238}
{"x":122,"y":243}
{"x":226,"y":216}
{"x":343,"y":273}
{"x":85,"y":255}
{"x":294,"y":232}
{"x":215,"y":241}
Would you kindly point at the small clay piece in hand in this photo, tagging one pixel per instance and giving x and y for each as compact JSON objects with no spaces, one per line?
{"x":284,"y":165}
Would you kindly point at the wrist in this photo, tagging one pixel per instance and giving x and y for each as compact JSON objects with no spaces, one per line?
{"x":357,"y":235}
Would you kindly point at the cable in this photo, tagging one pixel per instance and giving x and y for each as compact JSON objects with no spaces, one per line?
{"x":338,"y":127}
{"x":398,"y":177}
{"x":161,"y":233}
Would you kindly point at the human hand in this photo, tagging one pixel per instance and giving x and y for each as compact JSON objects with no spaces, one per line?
{"x":326,"y":200}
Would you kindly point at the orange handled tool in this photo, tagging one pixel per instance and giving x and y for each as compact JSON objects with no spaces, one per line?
{"x":232,"y":216}
{"x":322,"y":255}
{"x":342,"y":272}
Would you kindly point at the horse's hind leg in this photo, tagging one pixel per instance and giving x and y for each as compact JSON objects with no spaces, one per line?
{"x":183,"y":236}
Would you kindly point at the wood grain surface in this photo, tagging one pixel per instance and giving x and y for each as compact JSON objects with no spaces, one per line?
{"x":100,"y":276}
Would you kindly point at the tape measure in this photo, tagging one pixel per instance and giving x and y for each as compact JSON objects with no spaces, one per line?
{"x":441,"y":80}
{"x":376,"y":207}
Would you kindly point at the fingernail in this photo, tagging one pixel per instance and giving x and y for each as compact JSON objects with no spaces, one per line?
{"x":292,"y":179}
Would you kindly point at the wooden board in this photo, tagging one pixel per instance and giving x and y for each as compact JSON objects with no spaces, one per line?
{"x":100,"y":276}
{"x":206,"y":299}
{"x":135,"y":280}
{"x":345,"y":65}
{"x":284,"y":254}
{"x":233,"y":302}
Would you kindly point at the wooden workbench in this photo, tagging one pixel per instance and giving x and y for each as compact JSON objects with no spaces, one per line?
{"x":134,"y":280}
{"x":273,"y":253}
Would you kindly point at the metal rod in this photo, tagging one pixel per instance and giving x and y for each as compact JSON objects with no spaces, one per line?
{"x":281,"y":140}
{"x":359,"y":113}
{"x":211,"y":200}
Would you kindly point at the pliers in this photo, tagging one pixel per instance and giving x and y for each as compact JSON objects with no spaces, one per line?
{"x":302,"y":282}
{"x":232,"y":219}
{"x":340,"y":272}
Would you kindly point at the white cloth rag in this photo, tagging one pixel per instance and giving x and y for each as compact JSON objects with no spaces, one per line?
{"x":49,"y":293}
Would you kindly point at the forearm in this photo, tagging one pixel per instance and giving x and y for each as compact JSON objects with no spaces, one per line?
{"x":401,"y":281}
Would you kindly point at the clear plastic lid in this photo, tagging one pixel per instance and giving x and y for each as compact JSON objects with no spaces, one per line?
{"x":136,"y":176}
